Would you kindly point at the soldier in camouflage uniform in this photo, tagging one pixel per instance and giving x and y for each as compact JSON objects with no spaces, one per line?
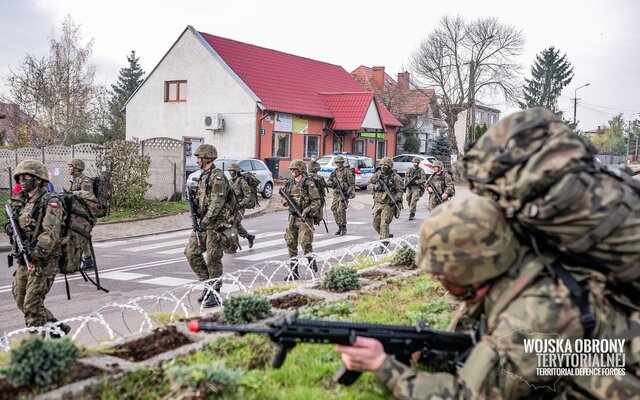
{"x":217,"y":213}
{"x":313,"y":168}
{"x":414,"y":187}
{"x":81,"y":185}
{"x":510,"y":293}
{"x":345,"y":178}
{"x":384,"y":209}
{"x":40,"y":218}
{"x":443,"y":183}
{"x":243,"y":193}
{"x":306,"y":196}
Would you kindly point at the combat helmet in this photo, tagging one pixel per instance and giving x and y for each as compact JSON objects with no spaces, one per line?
{"x":235,"y":167}
{"x":31,"y":167}
{"x":468,"y":240}
{"x":77,"y":164}
{"x":438,"y":163}
{"x":299,"y":165}
{"x":338,"y":159}
{"x":387,"y":161}
{"x":415,"y":160}
{"x":206,"y":151}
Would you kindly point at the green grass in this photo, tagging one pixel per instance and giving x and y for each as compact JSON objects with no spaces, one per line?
{"x":146,"y":209}
{"x":3,"y":216}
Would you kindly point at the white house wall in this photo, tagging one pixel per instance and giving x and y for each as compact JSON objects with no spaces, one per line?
{"x":372,"y":119}
{"x":210,"y":90}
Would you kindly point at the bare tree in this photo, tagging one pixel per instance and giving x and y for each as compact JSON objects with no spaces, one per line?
{"x":56,"y":92}
{"x":466,"y":61}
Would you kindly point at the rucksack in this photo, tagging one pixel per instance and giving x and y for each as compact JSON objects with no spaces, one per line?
{"x":103,"y":191}
{"x":560,"y":200}
{"x":321,"y":184}
{"x":78,"y":219}
{"x":253,"y":183}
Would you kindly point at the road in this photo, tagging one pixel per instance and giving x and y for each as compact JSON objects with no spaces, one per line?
{"x":154,"y":264}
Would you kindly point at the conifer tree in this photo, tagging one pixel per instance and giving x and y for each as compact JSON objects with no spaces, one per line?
{"x":550,"y":74}
{"x":128,"y":81}
{"x":441,"y":146}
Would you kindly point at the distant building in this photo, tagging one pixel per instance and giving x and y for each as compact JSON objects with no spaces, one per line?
{"x":251,"y":101}
{"x":485,"y":116}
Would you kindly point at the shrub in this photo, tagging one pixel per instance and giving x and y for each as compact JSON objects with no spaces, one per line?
{"x":333,"y":311}
{"x":208,"y":378}
{"x":435,"y":313}
{"x":245,"y":308}
{"x":406,"y":256}
{"x":129,"y":171}
{"x":40,"y":363}
{"x":341,"y":279}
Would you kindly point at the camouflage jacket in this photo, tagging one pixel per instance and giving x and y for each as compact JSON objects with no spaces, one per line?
{"x":305,"y":194}
{"x":345,"y":178}
{"x":443,"y":183}
{"x":393,"y":181}
{"x":83,"y":184}
{"x":242,"y":190}
{"x":499,"y":368}
{"x":45,"y":237}
{"x":215,"y":205}
{"x":420,"y":180}
{"x":313,"y":167}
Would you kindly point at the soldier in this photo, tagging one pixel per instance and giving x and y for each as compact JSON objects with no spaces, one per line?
{"x":217,"y":213}
{"x":510,"y":293}
{"x":40,"y":217}
{"x":313,"y":167}
{"x":82,"y":186}
{"x":442,"y":182}
{"x":243,"y":196}
{"x":306,"y":197}
{"x":343,"y":182}
{"x":384,"y":207}
{"x":414,"y":180}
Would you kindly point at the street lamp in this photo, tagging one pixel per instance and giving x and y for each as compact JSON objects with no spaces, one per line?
{"x":575,"y":100}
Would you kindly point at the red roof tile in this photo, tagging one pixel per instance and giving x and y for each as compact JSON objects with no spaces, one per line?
{"x":349,"y":109}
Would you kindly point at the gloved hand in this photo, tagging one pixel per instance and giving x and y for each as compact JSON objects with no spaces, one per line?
{"x":379,"y":187}
{"x":8,"y":229}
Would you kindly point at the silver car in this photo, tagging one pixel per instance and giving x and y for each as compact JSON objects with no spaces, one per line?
{"x":255,"y":166}
{"x":402,"y":162}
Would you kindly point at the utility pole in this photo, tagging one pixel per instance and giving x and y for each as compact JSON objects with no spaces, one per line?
{"x":575,"y":101}
{"x":472,"y":98}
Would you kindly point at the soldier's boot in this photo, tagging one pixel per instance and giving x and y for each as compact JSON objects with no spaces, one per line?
{"x":63,"y":327}
{"x":312,"y":264}
{"x":200,"y":298}
{"x":385,"y":244}
{"x":412,"y":216}
{"x":343,"y":231}
{"x":250,"y":239}
{"x":293,"y":276}
{"x":211,"y":299}
{"x":87,"y":264}
{"x":339,"y":232}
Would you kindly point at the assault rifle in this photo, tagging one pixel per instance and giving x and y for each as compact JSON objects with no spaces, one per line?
{"x":411,"y":182}
{"x":401,"y":341}
{"x":193,"y":210}
{"x":435,"y":192}
{"x":343,"y":196}
{"x":22,"y":251}
{"x":392,"y":198}
{"x":295,"y":210}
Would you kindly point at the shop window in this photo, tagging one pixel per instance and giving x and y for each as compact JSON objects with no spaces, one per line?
{"x":281,"y":146}
{"x":311,"y":146}
{"x":359,"y":147}
{"x":381,"y":150}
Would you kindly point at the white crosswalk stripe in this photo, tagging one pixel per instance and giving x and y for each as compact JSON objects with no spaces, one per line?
{"x":149,"y":238}
{"x":281,"y":252}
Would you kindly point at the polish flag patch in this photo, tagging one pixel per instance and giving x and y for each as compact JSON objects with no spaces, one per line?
{"x":53,"y":205}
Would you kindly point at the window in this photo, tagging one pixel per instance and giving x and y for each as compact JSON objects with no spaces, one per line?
{"x":359,"y":146}
{"x":281,"y":144}
{"x":175,"y":91}
{"x":257,"y":165}
{"x":245,"y":165}
{"x":492,"y":119}
{"x":311,"y":146}
{"x":337,"y":143}
{"x":381,"y":150}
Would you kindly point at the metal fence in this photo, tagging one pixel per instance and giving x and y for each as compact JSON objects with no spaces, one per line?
{"x":166,"y":171}
{"x":609,"y":159}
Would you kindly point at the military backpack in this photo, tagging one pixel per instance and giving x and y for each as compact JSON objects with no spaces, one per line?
{"x":253,"y":183}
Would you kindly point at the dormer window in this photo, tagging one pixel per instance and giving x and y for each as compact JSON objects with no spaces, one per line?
{"x":175,"y":91}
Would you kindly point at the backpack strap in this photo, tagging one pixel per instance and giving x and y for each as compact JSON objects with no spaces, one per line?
{"x":579,"y":297}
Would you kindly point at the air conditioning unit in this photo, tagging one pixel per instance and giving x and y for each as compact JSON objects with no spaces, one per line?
{"x":213,"y":122}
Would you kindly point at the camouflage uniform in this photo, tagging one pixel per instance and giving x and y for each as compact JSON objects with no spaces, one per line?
{"x":443,"y":183}
{"x":306,"y":196}
{"x":383,"y":209}
{"x":217,"y":214}
{"x":469,"y":241}
{"x":243,"y":194}
{"x":313,"y":167}
{"x":417,"y":187}
{"x":344,"y":177}
{"x":78,"y":248}
{"x":30,"y":288}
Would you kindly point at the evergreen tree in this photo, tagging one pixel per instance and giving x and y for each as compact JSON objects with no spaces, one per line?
{"x":128,"y":81}
{"x":441,"y":146}
{"x":411,"y":145}
{"x":550,"y":74}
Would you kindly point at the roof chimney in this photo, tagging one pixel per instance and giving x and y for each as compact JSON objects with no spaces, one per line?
{"x":403,"y":80}
{"x":378,"y":77}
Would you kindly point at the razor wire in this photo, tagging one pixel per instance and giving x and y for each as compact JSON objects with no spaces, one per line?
{"x":115,"y":321}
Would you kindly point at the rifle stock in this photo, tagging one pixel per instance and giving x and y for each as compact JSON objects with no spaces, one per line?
{"x":22,"y":250}
{"x":435,"y":192}
{"x":399,"y":340}
{"x":343,"y":196}
{"x":294,"y":208}
{"x":193,"y":210}
{"x":392,"y":198}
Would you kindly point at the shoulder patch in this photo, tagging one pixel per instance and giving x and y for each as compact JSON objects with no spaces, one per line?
{"x":53,"y":204}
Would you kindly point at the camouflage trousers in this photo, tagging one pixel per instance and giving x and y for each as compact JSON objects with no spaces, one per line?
{"x":299,"y":232}
{"x":30,"y":289}
{"x":413,"y":195}
{"x":242,"y":232}
{"x":382,"y":216}
{"x":212,"y":245}
{"x":339,"y":209}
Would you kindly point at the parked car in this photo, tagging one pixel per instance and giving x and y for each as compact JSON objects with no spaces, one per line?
{"x":255,"y":166}
{"x":402,"y":162}
{"x":362,"y":166}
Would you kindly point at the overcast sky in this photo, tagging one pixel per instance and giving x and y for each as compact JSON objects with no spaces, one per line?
{"x":601,"y":38}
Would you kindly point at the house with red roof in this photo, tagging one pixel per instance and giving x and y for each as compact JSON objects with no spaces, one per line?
{"x":415,"y":108}
{"x":250,"y":101}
